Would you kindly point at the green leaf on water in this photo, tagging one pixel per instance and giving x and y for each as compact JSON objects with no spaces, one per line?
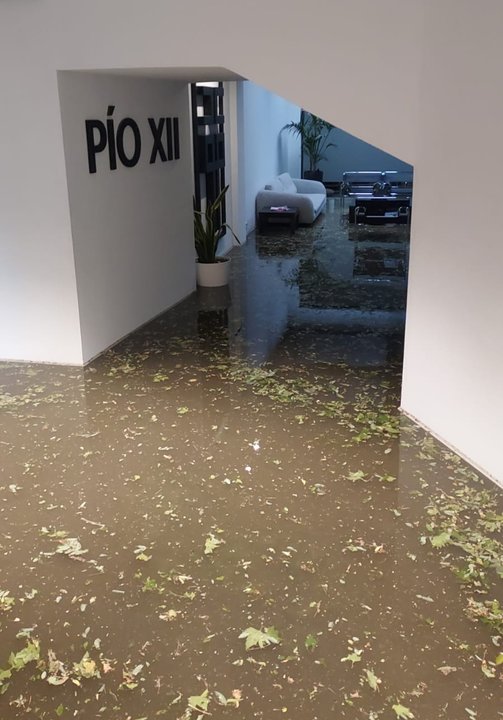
{"x":447,"y":669}
{"x":441,"y":540}
{"x":353,"y":657}
{"x":150,"y":585}
{"x":30,"y":653}
{"x":402,"y":712}
{"x":221,"y":699}
{"x":4,"y":675}
{"x":6,"y":602}
{"x":71,"y":547}
{"x":86,"y":668}
{"x":199,"y":702}
{"x":387,"y":478}
{"x":487,"y":670}
{"x":60,"y":710}
{"x":358,"y":475}
{"x":311,"y":642}
{"x":143,"y":557}
{"x":211,"y":543}
{"x":372,"y":679}
{"x":499,"y":659}
{"x":260,"y":639}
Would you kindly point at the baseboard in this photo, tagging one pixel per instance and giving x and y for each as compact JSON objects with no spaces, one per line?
{"x":452,"y":447}
{"x":138,"y":327}
{"x":19,"y":361}
{"x":15,"y":361}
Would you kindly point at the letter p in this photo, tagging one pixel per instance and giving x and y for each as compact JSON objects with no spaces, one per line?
{"x":94,"y":146}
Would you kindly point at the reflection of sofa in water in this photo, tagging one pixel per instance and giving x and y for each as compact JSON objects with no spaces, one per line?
{"x":309,"y":196}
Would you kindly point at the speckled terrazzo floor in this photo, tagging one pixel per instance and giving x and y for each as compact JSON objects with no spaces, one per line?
{"x":225,"y":515}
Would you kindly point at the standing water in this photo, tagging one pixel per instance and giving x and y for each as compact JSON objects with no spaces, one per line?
{"x":225,"y":515}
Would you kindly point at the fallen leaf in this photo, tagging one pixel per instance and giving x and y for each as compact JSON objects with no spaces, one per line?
{"x":447,"y":669}
{"x":211,"y":543}
{"x":260,"y":639}
{"x":402,"y":712}
{"x":372,"y":679}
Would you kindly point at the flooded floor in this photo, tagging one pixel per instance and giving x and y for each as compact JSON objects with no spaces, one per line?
{"x":226,"y":515}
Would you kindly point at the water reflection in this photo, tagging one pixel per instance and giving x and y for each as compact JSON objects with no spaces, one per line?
{"x":348,"y":280}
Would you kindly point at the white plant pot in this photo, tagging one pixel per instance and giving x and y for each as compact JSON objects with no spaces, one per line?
{"x":213,"y":274}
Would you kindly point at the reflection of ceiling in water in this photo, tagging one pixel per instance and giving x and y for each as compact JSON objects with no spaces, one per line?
{"x":380,"y":262}
{"x":318,"y":289}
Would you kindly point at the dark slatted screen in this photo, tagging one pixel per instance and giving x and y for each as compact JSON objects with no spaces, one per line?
{"x":209,"y":143}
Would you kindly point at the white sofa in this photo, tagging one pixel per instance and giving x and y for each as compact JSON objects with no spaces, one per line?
{"x":310,"y":196}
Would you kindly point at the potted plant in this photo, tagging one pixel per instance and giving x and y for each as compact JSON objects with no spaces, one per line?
{"x":212,"y":271}
{"x":314,"y":134}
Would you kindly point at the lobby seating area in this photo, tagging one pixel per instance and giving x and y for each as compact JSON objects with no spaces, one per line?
{"x":309,"y":196}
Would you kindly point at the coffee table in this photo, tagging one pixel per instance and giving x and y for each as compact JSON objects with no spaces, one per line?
{"x":269,"y":216}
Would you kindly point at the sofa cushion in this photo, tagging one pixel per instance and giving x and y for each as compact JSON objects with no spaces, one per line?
{"x":287,"y":182}
{"x":275,"y":185}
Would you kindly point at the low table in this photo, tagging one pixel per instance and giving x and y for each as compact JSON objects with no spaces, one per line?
{"x":379,"y":210}
{"x":278,"y":215}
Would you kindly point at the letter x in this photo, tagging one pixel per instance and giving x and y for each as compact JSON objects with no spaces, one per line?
{"x":157,"y":146}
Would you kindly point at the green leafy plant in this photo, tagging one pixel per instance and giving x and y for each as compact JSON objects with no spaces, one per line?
{"x":209,"y":228}
{"x":314,"y":135}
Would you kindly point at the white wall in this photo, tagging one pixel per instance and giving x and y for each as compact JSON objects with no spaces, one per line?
{"x":132,"y":229}
{"x":453,"y":379}
{"x":351,"y":153}
{"x":39,"y":318}
{"x":264,"y":150}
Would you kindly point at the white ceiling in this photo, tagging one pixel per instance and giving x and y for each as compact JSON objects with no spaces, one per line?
{"x":185,"y":74}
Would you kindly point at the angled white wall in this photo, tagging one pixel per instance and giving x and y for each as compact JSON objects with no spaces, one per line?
{"x":132,"y":229}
